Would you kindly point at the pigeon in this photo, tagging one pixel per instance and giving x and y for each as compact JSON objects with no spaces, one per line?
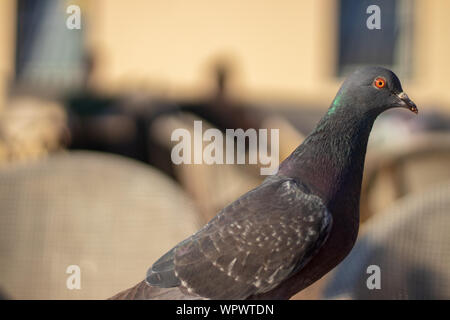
{"x":295,"y":227}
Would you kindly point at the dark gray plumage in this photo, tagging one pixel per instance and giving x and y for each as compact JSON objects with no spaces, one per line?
{"x":250,"y":246}
{"x":298,"y":224}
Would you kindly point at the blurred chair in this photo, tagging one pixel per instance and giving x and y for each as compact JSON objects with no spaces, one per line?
{"x":406,"y":163}
{"x":111,"y":216}
{"x":215,"y":186}
{"x":410,"y":243}
{"x":211,"y":186}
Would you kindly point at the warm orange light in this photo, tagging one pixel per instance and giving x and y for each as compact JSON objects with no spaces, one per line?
{"x":379,"y":83}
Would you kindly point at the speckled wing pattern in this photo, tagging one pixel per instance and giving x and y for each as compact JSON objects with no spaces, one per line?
{"x":251,"y":246}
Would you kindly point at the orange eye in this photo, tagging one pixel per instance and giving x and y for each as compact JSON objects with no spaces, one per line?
{"x":379,"y":83}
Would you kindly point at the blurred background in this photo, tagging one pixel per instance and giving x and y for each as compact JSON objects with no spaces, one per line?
{"x":86,"y":117}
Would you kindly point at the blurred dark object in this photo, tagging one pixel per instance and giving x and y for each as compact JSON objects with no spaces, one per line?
{"x":221,"y":109}
{"x":3,"y":295}
{"x":48,"y":56}
{"x":410,"y":243}
{"x":121,"y":124}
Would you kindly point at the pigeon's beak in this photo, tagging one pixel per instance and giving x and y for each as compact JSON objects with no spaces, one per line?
{"x":407,"y":102}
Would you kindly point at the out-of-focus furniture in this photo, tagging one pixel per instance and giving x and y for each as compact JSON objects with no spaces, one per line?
{"x":410,"y":243}
{"x":213,"y":186}
{"x":111,"y":216}
{"x":407,"y":164}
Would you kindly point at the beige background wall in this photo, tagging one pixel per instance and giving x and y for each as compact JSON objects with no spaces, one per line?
{"x":282,"y":50}
{"x":7,"y":43}
{"x":279,"y":51}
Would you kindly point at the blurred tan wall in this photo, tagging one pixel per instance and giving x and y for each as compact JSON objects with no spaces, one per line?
{"x":283,"y":50}
{"x":7,"y":43}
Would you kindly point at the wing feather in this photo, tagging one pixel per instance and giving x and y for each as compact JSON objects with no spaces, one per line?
{"x":251,"y":246}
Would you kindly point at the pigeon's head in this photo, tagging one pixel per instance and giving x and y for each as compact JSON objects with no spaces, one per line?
{"x":372,"y":90}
